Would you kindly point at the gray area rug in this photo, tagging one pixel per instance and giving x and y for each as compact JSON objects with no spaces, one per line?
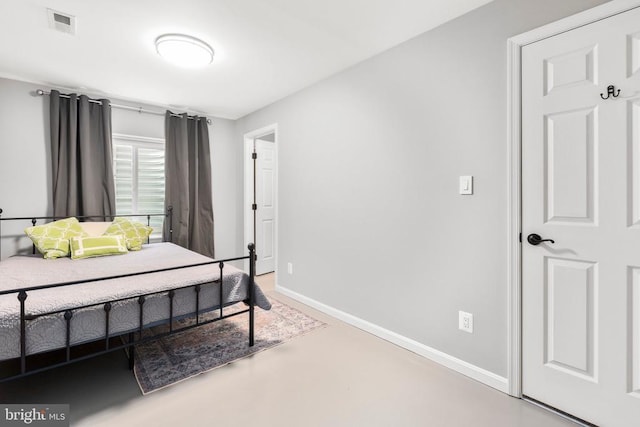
{"x":175,"y":358}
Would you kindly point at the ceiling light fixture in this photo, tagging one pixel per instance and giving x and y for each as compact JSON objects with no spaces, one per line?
{"x":184,"y":51}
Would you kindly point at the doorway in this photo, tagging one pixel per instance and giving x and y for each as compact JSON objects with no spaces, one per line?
{"x":260,"y":196}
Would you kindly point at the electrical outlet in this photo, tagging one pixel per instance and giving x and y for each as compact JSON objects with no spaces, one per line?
{"x":290,"y":268}
{"x":465,"y":321}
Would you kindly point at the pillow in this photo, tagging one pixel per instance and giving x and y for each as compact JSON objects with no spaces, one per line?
{"x":135,"y":233}
{"x":87,"y":247}
{"x":52,"y":239}
{"x":94,"y":229}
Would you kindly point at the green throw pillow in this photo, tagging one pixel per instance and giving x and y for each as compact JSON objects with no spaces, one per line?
{"x":52,"y":240}
{"x":136,"y":233}
{"x":87,"y":247}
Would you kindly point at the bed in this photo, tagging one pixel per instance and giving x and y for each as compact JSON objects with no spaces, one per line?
{"x":47,"y":305}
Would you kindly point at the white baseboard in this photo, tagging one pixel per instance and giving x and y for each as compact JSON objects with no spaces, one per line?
{"x":458,"y":365}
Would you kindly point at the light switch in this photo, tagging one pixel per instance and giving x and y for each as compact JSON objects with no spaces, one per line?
{"x":466,"y":184}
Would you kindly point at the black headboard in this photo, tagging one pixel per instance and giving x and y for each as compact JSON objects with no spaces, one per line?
{"x":34,"y":220}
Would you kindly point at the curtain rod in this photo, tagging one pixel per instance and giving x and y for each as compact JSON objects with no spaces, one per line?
{"x":141,"y":110}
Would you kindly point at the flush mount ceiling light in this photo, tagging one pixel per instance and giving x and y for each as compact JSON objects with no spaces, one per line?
{"x":184,"y":51}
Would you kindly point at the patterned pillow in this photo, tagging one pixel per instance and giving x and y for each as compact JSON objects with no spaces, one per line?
{"x":52,"y":240}
{"x":135,"y":233}
{"x":88,"y":247}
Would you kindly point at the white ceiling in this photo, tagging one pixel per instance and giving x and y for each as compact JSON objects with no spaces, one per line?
{"x":265,"y":49}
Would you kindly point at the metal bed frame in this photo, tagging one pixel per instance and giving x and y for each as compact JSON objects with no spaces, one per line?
{"x":132,"y":340}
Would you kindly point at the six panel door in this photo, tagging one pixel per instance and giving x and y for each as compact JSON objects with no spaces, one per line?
{"x":581,"y":188}
{"x":265,"y":199}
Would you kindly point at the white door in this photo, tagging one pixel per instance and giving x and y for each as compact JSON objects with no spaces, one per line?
{"x":581,"y":188}
{"x":265,"y":204}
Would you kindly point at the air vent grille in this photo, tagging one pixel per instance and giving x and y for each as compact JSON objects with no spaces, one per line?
{"x":62,"y":22}
{"x":66,"y":20}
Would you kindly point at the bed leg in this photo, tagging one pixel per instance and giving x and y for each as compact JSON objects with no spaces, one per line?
{"x":252,"y":284}
{"x":22,"y":296}
{"x":132,"y":352}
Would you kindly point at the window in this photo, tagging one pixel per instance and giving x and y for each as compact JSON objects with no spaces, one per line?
{"x":138,"y":167}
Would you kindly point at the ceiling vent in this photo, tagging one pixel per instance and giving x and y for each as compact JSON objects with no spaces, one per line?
{"x":62,"y":22}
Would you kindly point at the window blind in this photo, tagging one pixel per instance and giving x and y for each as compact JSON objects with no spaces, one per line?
{"x":140,"y":179}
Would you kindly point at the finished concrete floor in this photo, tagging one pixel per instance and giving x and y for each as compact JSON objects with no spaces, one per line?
{"x":334,"y":376}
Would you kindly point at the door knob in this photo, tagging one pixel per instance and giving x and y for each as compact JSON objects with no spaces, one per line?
{"x":535,"y":239}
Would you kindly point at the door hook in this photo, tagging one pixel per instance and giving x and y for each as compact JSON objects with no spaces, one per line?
{"x":611,"y":92}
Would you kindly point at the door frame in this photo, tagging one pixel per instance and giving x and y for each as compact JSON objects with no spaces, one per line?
{"x":514,"y":171}
{"x":247,"y":164}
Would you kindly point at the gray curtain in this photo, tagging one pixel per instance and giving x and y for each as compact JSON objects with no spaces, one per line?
{"x":188,"y":182}
{"x":81,"y":156}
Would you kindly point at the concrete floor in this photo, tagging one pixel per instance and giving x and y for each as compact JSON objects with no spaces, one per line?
{"x":335,"y":376}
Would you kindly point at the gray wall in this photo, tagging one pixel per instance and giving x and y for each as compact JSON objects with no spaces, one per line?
{"x":369,"y":160}
{"x":25,"y":167}
{"x":226,"y":166}
{"x":25,"y":171}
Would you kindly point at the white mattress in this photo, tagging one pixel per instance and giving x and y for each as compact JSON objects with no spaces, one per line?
{"x":49,"y":332}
